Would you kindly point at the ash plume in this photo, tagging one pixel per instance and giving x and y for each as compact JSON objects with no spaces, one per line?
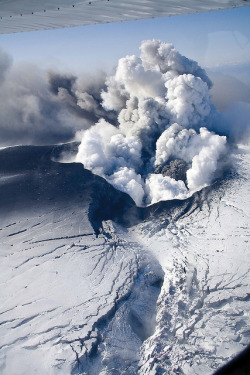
{"x":164,"y":113}
{"x":80,"y":95}
{"x":38,"y":107}
{"x":150,"y":129}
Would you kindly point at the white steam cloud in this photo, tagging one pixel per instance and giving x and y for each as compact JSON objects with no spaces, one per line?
{"x":160,"y":148}
{"x":150,"y":129}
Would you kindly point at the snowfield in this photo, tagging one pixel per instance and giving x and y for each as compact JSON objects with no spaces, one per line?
{"x":203,"y":308}
{"x":92,"y":284}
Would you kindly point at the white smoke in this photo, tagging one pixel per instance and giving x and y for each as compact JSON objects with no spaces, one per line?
{"x":104,"y":149}
{"x":188,"y":100}
{"x":163,"y":109}
{"x":163,"y":188}
{"x":200,"y":151}
{"x":128,"y":181}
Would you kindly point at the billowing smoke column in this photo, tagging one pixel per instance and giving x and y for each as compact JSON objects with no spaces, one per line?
{"x":161,"y":147}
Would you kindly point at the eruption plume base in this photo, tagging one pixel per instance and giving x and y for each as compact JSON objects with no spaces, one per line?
{"x":163,"y":108}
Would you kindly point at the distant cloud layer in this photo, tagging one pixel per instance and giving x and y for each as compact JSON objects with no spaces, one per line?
{"x":150,"y":129}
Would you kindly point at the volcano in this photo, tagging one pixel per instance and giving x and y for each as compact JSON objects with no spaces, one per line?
{"x":93,"y":284}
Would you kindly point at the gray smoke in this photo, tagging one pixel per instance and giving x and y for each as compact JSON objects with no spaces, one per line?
{"x":37,"y":107}
{"x":227,"y":90}
{"x":232,"y":97}
{"x":5,"y":63}
{"x":176,"y":169}
{"x":80,"y":95}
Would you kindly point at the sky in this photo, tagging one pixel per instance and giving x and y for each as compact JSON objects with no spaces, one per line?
{"x":213,"y":39}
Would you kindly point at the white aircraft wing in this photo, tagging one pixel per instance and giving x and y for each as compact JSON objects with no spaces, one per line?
{"x":29,"y":15}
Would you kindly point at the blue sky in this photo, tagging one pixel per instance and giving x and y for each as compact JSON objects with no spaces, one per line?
{"x":213,"y":39}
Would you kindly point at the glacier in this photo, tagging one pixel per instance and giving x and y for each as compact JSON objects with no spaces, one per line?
{"x":93,"y":284}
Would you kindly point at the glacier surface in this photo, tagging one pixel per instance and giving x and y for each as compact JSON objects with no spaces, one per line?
{"x":92,"y":284}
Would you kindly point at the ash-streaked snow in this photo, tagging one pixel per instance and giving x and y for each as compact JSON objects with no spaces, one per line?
{"x":203,"y":309}
{"x":91,"y":284}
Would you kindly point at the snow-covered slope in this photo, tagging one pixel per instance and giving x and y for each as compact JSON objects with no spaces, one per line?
{"x":91,"y":284}
{"x":203,"y":308}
